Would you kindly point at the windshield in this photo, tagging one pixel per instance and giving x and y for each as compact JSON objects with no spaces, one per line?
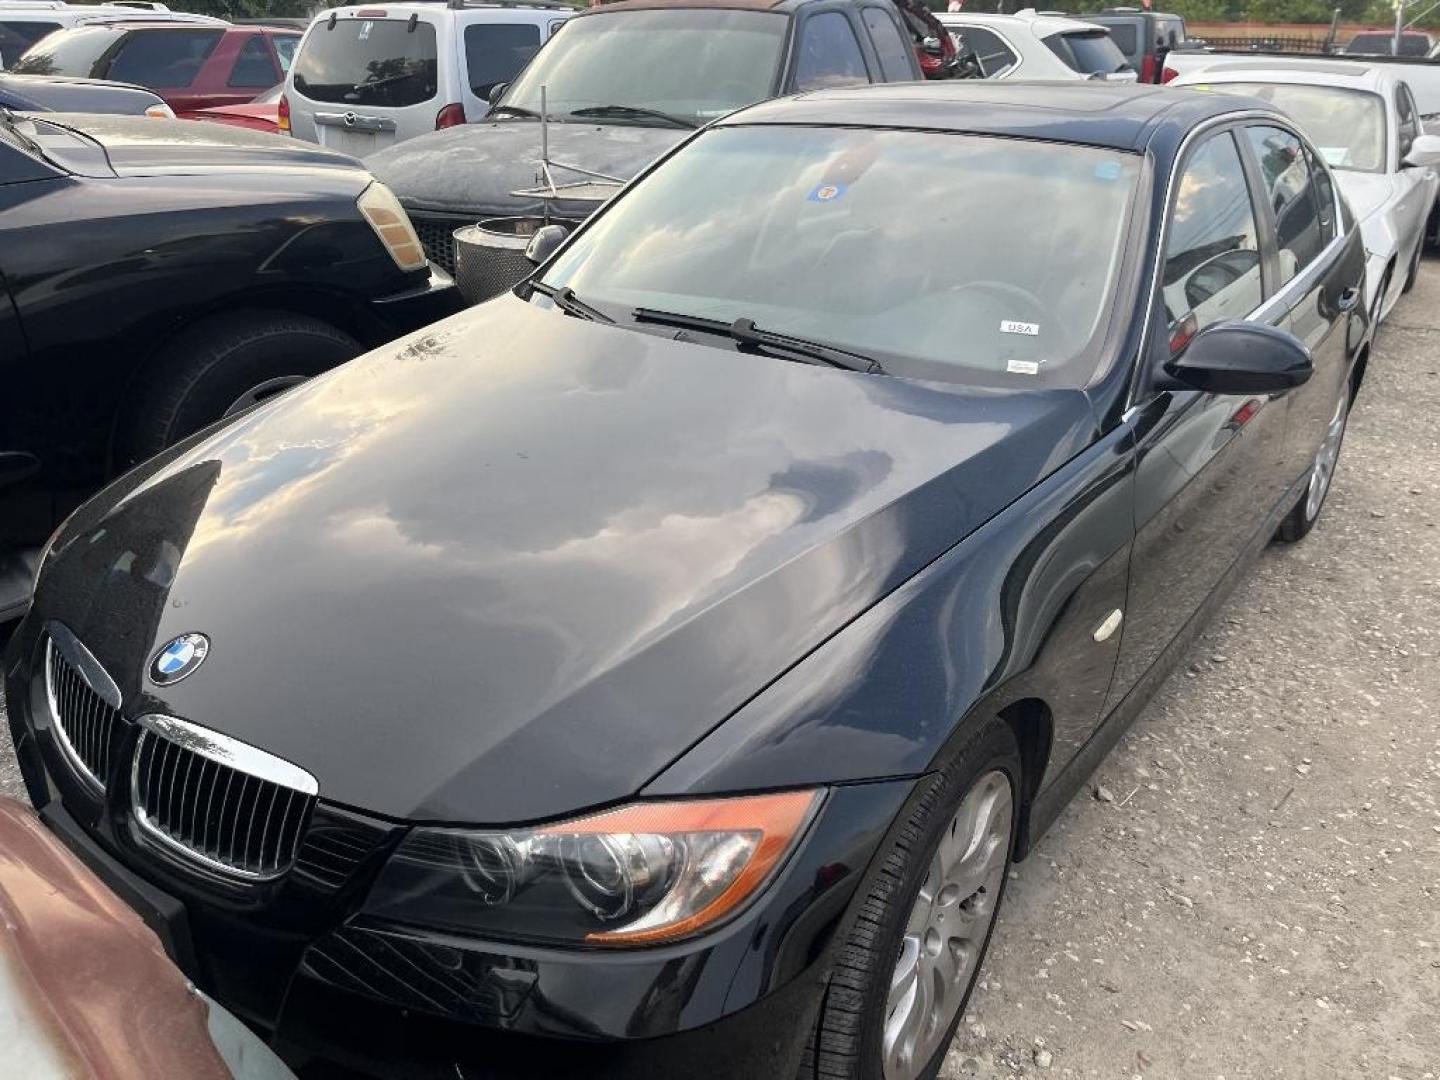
{"x":380,"y":63}
{"x":1346,"y":126}
{"x":880,"y":242}
{"x":695,"y":63}
{"x":1090,"y":52}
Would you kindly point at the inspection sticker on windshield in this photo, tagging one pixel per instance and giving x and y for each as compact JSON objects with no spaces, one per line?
{"x":1022,"y":367}
{"x":826,"y":193}
{"x":1010,"y":326}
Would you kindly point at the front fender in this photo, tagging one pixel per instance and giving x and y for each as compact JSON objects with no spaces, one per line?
{"x":1009,"y":613}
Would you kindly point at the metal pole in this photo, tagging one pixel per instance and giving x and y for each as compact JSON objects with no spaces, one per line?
{"x":1399,"y":27}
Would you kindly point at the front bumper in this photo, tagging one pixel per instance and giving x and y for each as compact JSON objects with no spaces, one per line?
{"x":434,"y":299}
{"x":327,"y":985}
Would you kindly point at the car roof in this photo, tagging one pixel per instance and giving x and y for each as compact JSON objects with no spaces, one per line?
{"x":1042,"y":25}
{"x":1358,"y":76}
{"x":737,"y":5}
{"x":552,"y":7}
{"x":1120,"y":116}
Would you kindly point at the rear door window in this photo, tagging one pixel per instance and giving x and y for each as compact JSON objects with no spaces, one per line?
{"x":1090,"y":52}
{"x":1126,"y":38}
{"x":1409,"y":121}
{"x":254,"y":66}
{"x":495,"y":52}
{"x":382,"y":63}
{"x":994,"y":56}
{"x":16,"y":37}
{"x":162,"y":58}
{"x":285,"y":46}
{"x":1290,"y":191}
{"x":891,"y":48}
{"x":829,"y":54}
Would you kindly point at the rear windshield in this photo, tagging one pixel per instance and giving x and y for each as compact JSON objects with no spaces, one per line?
{"x":1384,"y":45}
{"x":16,"y":37}
{"x":376,"y":62}
{"x":495,"y":52}
{"x":1090,"y":52}
{"x":1124,"y":35}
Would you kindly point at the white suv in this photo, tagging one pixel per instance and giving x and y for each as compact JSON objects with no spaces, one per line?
{"x":366,"y":78}
{"x":24,"y":22}
{"x":1028,"y":45}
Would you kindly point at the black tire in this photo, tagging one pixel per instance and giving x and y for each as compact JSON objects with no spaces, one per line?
{"x":205,"y":370}
{"x":848,"y":1037}
{"x":1302,"y":516}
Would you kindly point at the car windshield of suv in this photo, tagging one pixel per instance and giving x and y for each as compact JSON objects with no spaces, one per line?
{"x":882,"y":243}
{"x":692,"y":63}
{"x":1346,"y":126}
{"x":382,"y":63}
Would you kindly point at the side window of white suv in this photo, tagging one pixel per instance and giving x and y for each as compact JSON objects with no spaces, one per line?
{"x":495,"y":53}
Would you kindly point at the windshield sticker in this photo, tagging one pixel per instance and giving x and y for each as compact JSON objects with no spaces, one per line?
{"x":1023,"y":367}
{"x":1335,"y":155}
{"x":1108,"y":170}
{"x":827,"y":193}
{"x":1010,"y":326}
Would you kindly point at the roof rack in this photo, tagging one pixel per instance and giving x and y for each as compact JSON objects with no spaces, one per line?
{"x":47,"y":5}
{"x":138,"y":5}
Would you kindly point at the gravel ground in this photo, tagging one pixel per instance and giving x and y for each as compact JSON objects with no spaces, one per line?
{"x":1252,"y":890}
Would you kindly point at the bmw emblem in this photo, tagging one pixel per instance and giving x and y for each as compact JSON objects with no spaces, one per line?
{"x":179,"y":658}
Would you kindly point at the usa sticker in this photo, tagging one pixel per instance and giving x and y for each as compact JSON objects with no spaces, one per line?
{"x":1023,"y":367}
{"x":1010,"y":326}
{"x":826,"y":193}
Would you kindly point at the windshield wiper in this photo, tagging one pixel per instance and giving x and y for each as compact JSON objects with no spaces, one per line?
{"x":633,"y":111}
{"x":747,"y":334}
{"x":513,"y":110}
{"x":565,"y":299}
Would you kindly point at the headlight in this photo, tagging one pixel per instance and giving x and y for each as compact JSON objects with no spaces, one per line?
{"x":390,"y":222}
{"x":645,"y":873}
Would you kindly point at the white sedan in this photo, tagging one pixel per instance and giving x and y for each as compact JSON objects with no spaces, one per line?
{"x":1365,"y":123}
{"x":1028,"y":45}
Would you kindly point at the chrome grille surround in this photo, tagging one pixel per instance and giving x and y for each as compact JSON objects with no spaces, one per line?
{"x":217,"y":802}
{"x":84,"y":705}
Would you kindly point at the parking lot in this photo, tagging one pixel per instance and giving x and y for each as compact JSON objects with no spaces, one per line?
{"x":1253,"y":890}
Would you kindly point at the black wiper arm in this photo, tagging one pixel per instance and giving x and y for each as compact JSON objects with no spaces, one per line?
{"x":565,"y":299}
{"x":513,"y":110}
{"x":634,"y":111}
{"x":748,"y":334}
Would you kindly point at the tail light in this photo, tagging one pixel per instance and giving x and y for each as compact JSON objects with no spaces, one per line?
{"x":1147,"y":69}
{"x":1168,"y":74}
{"x":282,"y":115}
{"x":450,"y":116}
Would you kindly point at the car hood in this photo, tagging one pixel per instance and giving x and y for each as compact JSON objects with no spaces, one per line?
{"x":1366,"y":192}
{"x":514,"y":565}
{"x":473,"y":168}
{"x":141,"y":146}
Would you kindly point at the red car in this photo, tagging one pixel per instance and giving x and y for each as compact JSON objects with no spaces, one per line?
{"x":192,"y":67}
{"x":261,"y":114}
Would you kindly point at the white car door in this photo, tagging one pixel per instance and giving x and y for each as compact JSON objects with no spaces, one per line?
{"x":1413,"y":187}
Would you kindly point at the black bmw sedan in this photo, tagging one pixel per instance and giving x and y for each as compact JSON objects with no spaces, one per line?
{"x":654,"y":672}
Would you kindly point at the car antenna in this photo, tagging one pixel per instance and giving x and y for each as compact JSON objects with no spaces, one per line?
{"x":596,"y":188}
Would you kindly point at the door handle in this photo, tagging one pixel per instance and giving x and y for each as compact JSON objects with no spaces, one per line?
{"x":1349,"y":298}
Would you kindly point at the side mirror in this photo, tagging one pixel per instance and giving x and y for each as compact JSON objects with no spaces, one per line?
{"x":493,"y":96}
{"x":1242,"y":358}
{"x":543,"y":244}
{"x":1425,"y":150}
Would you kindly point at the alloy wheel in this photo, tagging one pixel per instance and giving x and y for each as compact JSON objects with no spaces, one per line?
{"x":948,"y":926}
{"x":1326,"y":457}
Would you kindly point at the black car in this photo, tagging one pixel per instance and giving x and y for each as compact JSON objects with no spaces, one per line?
{"x":624,"y":83}
{"x":653,"y":672}
{"x":57,"y":93}
{"x":156,"y":275}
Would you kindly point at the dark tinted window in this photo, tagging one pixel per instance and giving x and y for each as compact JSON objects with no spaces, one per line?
{"x":894,"y":53}
{"x":1384,"y":44}
{"x":1090,"y":52}
{"x":1169,"y":32}
{"x":1324,"y":196}
{"x":993,"y":54}
{"x":495,"y":52}
{"x":1212,"y":260}
{"x":254,"y":66}
{"x":1409,"y":122}
{"x":16,"y":37}
{"x":77,"y":51}
{"x":1126,"y":37}
{"x":163,"y":57}
{"x":377,"y":62}
{"x":829,"y":54}
{"x":1291,"y":193}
